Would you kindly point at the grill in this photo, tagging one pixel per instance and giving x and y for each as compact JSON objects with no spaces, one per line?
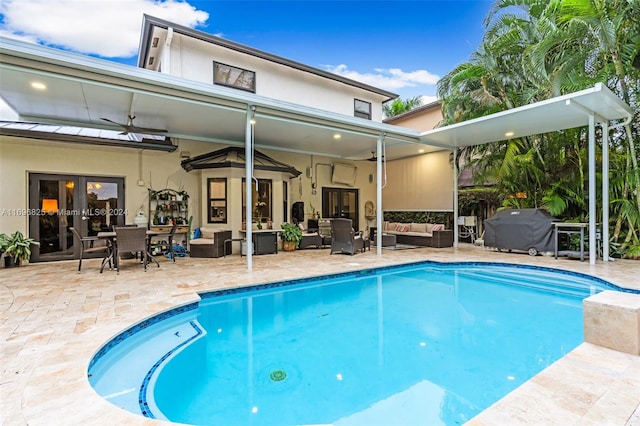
{"x":529,"y":230}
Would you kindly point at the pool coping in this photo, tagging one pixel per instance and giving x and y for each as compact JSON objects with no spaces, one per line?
{"x":54,"y":319}
{"x":234,"y":291}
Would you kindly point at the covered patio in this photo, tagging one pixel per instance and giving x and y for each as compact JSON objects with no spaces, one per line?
{"x":81,"y":90}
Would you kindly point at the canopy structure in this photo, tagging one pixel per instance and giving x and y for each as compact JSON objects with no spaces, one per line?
{"x":81,"y":90}
{"x":596,"y":105}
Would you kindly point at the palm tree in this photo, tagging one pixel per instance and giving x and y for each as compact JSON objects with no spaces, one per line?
{"x":399,"y":106}
{"x":536,"y":49}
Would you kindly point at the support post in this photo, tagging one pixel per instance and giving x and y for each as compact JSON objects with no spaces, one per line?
{"x":604,"y":233}
{"x":248,"y":152}
{"x":455,"y":198}
{"x":379,"y":218}
{"x":592,"y":189}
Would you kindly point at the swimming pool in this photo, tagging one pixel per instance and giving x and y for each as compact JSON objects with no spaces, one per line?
{"x":425,"y":343}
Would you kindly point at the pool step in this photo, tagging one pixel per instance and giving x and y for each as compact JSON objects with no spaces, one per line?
{"x":574,"y":286}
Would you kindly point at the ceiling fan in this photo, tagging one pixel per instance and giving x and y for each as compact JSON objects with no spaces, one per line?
{"x":373,"y":157}
{"x":131,"y":128}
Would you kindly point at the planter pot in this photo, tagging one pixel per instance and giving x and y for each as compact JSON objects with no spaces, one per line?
{"x":288,"y":245}
{"x":9,"y":262}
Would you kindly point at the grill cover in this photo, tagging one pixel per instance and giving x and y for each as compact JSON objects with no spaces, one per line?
{"x":520,"y":229}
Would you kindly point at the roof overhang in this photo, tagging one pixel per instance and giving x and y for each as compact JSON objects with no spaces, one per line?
{"x":81,"y":90}
{"x":559,"y":113}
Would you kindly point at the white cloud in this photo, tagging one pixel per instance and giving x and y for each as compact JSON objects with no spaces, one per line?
{"x":387,"y":78}
{"x":107,"y":28}
{"x":426,"y":100}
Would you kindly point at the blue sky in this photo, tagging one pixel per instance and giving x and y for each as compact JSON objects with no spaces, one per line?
{"x":401,"y":46}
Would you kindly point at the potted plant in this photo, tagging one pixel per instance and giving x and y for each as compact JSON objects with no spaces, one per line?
{"x":291,"y":236}
{"x":4,"y":243}
{"x":18,"y":249}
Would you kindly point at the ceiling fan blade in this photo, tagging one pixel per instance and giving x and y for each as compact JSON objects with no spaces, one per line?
{"x":135,"y":129}
{"x":131,"y":128}
{"x":111,"y":121}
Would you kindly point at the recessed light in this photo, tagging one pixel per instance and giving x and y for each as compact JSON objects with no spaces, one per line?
{"x":337,"y":136}
{"x":38,"y":85}
{"x":508,"y":134}
{"x":421,"y":151}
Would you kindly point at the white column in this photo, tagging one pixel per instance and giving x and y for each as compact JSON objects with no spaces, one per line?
{"x":379,"y":195}
{"x":605,"y":192}
{"x":592,"y":189}
{"x":455,"y":198}
{"x":248,"y":153}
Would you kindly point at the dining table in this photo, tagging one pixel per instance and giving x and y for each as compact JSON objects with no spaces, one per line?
{"x":110,"y":236}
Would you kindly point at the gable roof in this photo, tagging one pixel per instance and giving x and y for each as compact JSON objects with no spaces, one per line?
{"x":149,"y":22}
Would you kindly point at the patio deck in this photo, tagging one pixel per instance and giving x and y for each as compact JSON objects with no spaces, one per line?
{"x":53,"y":320}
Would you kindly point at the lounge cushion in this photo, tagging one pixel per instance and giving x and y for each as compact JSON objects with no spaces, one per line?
{"x":418,"y":227}
{"x":199,"y":241}
{"x":208,"y":232}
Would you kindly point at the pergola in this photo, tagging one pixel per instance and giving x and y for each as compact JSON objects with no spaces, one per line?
{"x":80,"y":90}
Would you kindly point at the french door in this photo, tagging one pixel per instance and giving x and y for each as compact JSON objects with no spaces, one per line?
{"x":341,"y":202}
{"x":58,"y":202}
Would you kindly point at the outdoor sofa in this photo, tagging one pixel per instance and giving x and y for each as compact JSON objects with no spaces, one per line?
{"x":211,"y":243}
{"x":420,"y":234}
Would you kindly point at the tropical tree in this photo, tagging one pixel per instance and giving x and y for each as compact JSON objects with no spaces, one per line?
{"x":399,"y":106}
{"x":536,"y":49}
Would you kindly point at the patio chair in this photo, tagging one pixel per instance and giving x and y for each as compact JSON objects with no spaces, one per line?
{"x":344,"y":239}
{"x":87,"y":245}
{"x":309,"y":237}
{"x":130,"y":239}
{"x":172,"y":234}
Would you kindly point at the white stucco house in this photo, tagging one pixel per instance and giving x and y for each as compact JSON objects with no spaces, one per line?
{"x":194,"y":94}
{"x":202,"y":94}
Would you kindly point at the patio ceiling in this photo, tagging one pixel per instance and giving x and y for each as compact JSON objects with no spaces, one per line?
{"x":81,"y":90}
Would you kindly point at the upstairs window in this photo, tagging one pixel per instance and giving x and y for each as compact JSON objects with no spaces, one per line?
{"x":362,"y":109}
{"x":227,"y":75}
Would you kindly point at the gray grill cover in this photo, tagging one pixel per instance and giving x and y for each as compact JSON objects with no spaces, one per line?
{"x":520,"y":229}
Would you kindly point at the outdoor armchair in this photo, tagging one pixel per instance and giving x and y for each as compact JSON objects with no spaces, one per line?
{"x":344,"y":239}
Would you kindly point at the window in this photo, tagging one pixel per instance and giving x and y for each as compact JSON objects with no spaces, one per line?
{"x":226,"y":75}
{"x":217,"y":196}
{"x":262,"y":201}
{"x":362,"y":109}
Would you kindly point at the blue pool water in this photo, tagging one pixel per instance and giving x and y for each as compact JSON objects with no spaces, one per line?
{"x":422,"y":344}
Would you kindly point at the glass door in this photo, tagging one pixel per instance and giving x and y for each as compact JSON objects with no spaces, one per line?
{"x":58,"y":202}
{"x":341,"y":202}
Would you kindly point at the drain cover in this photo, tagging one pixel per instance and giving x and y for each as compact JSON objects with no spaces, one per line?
{"x":278,"y":375}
